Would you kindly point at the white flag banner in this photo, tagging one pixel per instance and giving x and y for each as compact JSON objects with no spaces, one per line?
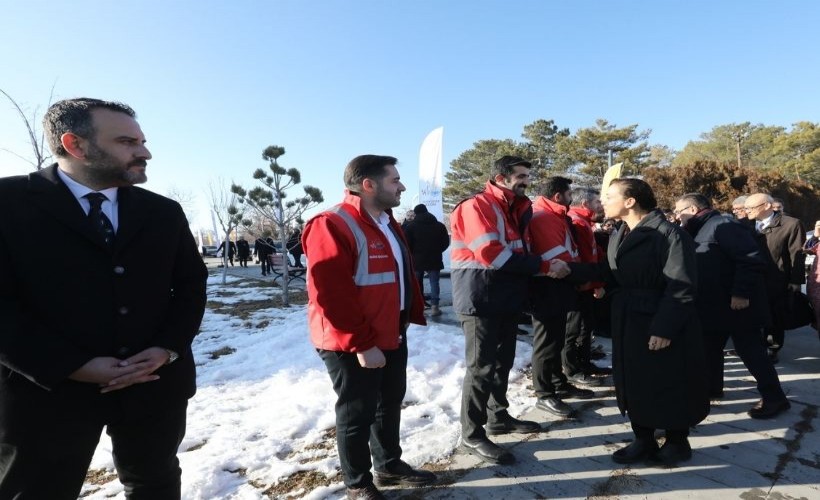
{"x":430,"y":174}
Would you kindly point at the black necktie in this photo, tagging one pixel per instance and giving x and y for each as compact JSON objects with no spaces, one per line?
{"x":100,"y":222}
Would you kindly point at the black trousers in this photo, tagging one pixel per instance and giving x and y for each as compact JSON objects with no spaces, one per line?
{"x":47,"y":442}
{"x":489,"y":345}
{"x":549,"y":333}
{"x":368,"y":412}
{"x":575,"y":355}
{"x":264,"y":261}
{"x":752,"y":351}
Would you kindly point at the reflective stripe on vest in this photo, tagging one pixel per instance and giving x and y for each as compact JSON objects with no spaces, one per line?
{"x":360,"y":276}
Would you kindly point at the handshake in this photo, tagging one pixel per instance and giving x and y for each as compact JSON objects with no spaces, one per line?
{"x":558,"y":269}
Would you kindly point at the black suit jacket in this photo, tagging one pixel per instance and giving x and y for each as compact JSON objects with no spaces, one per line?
{"x":64,"y":303}
{"x":730,"y":263}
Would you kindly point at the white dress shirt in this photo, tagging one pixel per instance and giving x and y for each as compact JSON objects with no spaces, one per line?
{"x":109,"y":206}
{"x":384,"y":224}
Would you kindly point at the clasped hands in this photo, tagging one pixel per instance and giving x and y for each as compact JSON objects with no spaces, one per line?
{"x":112,"y":374}
{"x":558,"y":269}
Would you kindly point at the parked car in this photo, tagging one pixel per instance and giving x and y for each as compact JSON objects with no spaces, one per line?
{"x":209,"y":250}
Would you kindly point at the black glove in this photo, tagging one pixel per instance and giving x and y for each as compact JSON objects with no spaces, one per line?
{"x":793,"y":287}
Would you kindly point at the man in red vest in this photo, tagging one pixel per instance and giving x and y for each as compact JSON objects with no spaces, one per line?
{"x":491,"y":266}
{"x":362,"y":294}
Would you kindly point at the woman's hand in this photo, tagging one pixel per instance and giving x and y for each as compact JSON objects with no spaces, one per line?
{"x":658,"y":343}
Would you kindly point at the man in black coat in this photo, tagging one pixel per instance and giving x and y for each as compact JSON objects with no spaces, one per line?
{"x":106,"y":340}
{"x":782,"y":237}
{"x":731,"y":299}
{"x":262,"y":249}
{"x":427,"y":239}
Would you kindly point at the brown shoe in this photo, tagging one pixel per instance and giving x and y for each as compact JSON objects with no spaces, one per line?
{"x":369,"y":492}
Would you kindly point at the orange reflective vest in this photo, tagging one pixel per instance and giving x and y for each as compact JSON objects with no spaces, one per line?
{"x":490,"y":262}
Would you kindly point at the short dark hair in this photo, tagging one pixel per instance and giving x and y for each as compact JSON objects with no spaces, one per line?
{"x":581,"y":195}
{"x":504,"y":166}
{"x":74,"y":116}
{"x":697,"y":200}
{"x":366,"y":167}
{"x":556,"y":184}
{"x":639,"y":190}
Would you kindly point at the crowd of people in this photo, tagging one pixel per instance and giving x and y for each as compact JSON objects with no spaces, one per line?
{"x":676,"y":286}
{"x":107,"y":343}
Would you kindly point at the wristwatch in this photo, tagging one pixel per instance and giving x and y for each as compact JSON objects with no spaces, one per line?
{"x":172,"y":356}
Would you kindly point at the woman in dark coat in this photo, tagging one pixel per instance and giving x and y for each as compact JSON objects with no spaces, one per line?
{"x":658,"y":365}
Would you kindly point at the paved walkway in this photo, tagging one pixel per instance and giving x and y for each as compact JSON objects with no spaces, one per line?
{"x":734,"y":456}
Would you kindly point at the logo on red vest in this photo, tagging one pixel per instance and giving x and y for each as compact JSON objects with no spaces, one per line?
{"x":376,"y":245}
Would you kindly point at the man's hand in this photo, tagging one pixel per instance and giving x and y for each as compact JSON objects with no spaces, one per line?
{"x":658,"y":343}
{"x":558,"y":269}
{"x":144,"y":363}
{"x":739,"y":303}
{"x":599,"y":293}
{"x":794,"y":287}
{"x":102,"y":370}
{"x":371,"y":358}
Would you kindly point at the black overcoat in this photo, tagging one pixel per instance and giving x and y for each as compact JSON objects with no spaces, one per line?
{"x":651,"y":272}
{"x":72,"y":300}
{"x":730,"y":263}
{"x":427,"y":239}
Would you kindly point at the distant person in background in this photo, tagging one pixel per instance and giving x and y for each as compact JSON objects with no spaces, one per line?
{"x":427,"y":239}
{"x":231,"y":250}
{"x":243,"y":251}
{"x":738,"y":207}
{"x":261,"y":250}
{"x":777,"y":205}
{"x":812,"y":247}
{"x":408,"y":218}
{"x":783,"y":238}
{"x":295,"y":247}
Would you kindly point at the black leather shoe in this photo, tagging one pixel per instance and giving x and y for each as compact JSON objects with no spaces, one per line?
{"x":599,"y":371}
{"x":403,"y":475}
{"x":672,"y":453}
{"x":584,"y":379}
{"x":512,"y":425}
{"x":570,"y":391}
{"x":488,"y":451}
{"x":765,"y":409}
{"x":554,"y":405}
{"x":637,"y":451}
{"x":367,"y":493}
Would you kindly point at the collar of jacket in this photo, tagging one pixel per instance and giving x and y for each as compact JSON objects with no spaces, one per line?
{"x":584,"y":213}
{"x":547,"y":205}
{"x":697,"y":221}
{"x":355,"y":201}
{"x":507,"y":197}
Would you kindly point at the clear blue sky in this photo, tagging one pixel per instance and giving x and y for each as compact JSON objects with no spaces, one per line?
{"x":214,"y":82}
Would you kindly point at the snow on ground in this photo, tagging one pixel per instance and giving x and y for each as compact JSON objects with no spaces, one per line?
{"x":262,"y":411}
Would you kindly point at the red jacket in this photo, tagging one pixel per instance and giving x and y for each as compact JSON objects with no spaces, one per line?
{"x":353,"y":296}
{"x":585,"y":238}
{"x":490,"y":261}
{"x":551,"y":234}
